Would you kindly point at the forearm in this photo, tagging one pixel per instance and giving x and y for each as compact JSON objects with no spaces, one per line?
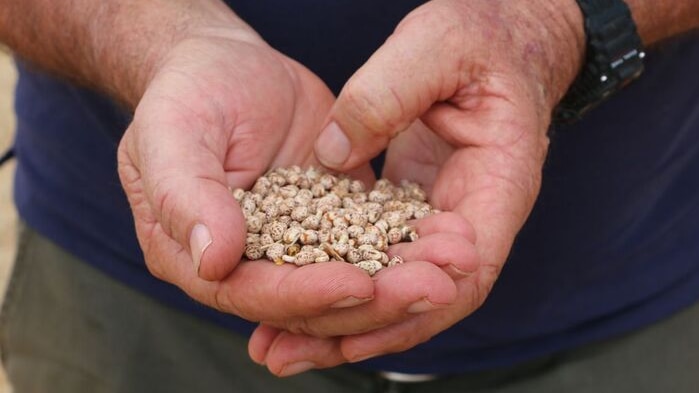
{"x":657,"y":20}
{"x":112,"y":45}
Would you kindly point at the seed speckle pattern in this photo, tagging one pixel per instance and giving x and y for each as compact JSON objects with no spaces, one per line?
{"x":310,"y":216}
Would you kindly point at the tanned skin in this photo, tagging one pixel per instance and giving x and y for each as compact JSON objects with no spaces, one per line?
{"x":461,"y":94}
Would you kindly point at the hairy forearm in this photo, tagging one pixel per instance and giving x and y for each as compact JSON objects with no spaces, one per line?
{"x":112,"y":45}
{"x":657,"y":20}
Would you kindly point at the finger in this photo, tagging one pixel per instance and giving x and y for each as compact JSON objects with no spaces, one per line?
{"x":400,"y":336}
{"x":453,"y":253}
{"x":183,"y":184}
{"x":301,"y":351}
{"x":315,"y":352}
{"x":314,"y":102}
{"x":262,"y":291}
{"x":421,"y":327}
{"x":292,"y":354}
{"x":396,"y":85}
{"x":391,"y":339}
{"x":445,"y":222}
{"x":261,"y":341}
{"x":399,"y":291}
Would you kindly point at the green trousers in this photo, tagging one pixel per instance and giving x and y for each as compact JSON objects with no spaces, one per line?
{"x":67,"y":328}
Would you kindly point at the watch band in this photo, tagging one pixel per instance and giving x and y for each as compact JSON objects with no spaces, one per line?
{"x":614,"y":57}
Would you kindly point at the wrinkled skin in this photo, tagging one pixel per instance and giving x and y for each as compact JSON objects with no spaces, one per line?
{"x":247,"y":108}
{"x":461,"y":94}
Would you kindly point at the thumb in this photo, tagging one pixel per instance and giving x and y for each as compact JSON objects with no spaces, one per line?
{"x":394,"y":87}
{"x":181,"y":202}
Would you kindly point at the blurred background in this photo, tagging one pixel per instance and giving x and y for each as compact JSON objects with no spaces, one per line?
{"x":8,"y":217}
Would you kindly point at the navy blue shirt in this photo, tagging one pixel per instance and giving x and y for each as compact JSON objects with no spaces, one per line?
{"x":612,"y":243}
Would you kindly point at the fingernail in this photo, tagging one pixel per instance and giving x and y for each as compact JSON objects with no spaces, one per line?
{"x":361,"y":358}
{"x":263,"y":362}
{"x":455,"y":272}
{"x":350,"y":301}
{"x":332,"y":147}
{"x":296,"y":368}
{"x":421,"y":306}
{"x":199,"y":241}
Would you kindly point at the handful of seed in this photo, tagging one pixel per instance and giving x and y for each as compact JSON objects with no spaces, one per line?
{"x":302,"y":217}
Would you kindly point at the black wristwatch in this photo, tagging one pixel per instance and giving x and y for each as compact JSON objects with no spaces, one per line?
{"x":614,"y":57}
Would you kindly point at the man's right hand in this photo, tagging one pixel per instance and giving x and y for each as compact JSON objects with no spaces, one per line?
{"x":221,"y":108}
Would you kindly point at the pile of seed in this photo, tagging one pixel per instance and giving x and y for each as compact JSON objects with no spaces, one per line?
{"x":310,"y":216}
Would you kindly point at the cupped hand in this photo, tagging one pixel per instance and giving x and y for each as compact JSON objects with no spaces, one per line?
{"x":220,"y":109}
{"x":463,"y":91}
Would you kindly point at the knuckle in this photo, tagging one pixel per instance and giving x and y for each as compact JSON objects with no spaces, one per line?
{"x":221,"y":301}
{"x":436,"y":21}
{"x":378,"y":108}
{"x":299,"y":326}
{"x":411,"y":341}
{"x":165,"y":205}
{"x":156,"y":269}
{"x":442,"y":38}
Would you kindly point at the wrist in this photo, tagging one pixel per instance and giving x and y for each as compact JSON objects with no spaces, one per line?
{"x":614,"y":58}
{"x":658,"y":20}
{"x":540,"y":44}
{"x":565,"y":37}
{"x":137,"y":43}
{"x":114,"y":45}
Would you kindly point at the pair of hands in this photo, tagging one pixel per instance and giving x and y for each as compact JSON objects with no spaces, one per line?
{"x":461,"y":95}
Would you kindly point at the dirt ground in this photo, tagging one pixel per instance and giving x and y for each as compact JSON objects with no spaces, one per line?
{"x":8,"y":217}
